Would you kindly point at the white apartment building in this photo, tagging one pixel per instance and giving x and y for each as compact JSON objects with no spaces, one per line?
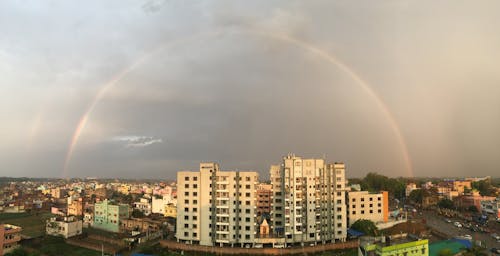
{"x":159,"y":204}
{"x":144,"y":205}
{"x":64,"y":226}
{"x":308,"y":201}
{"x":216,"y":207}
{"x":368,"y":206}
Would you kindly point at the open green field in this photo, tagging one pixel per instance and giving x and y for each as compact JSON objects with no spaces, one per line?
{"x":33,"y":224}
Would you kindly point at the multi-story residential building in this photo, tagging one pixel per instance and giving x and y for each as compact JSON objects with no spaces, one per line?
{"x":368,"y":206}
{"x":474,"y":199}
{"x":308,"y":201}
{"x":170,"y":211}
{"x":491,"y":206}
{"x":216,"y":207}
{"x":264,"y":197}
{"x":75,"y":207}
{"x":461,"y":185}
{"x":144,"y":205}
{"x":10,"y":236}
{"x":107,"y":215}
{"x":409,"y":188}
{"x":66,"y":227}
{"x":159,"y":203}
{"x":385,"y":246}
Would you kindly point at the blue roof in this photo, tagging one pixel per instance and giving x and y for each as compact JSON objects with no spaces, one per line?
{"x":354,"y":233}
{"x":464,"y":242}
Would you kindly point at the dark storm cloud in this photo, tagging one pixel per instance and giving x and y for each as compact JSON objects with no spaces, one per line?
{"x":210,"y":89}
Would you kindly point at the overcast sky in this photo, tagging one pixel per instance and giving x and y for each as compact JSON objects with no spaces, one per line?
{"x":168,"y":84}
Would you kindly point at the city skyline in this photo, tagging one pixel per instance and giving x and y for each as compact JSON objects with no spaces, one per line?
{"x":146,"y":89}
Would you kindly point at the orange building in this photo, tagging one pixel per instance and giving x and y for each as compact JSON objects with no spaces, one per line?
{"x":10,"y":236}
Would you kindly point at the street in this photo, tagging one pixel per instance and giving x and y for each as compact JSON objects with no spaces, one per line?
{"x":437,"y":222}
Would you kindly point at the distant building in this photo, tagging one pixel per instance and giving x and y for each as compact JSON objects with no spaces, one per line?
{"x":141,"y":225}
{"x":107,"y":215}
{"x":58,"y":193}
{"x":385,"y":246}
{"x":473,"y":200}
{"x":10,"y":236}
{"x":264,"y":199}
{"x":491,"y":206}
{"x":64,"y":226}
{"x":368,"y":206}
{"x":216,"y":207}
{"x":75,"y":207}
{"x":170,"y":211}
{"x":144,"y":205}
{"x":409,"y":188}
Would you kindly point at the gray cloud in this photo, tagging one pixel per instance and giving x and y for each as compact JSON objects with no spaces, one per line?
{"x":218,"y":91}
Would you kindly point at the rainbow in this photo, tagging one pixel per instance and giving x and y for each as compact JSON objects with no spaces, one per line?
{"x":279,"y":37}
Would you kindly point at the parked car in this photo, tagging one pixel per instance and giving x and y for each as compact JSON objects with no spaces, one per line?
{"x":447,"y":220}
{"x":496,"y":236}
{"x":495,"y":250}
{"x":457,"y":224}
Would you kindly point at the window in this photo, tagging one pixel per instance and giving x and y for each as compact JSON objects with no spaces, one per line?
{"x":195,"y":178}
{"x":186,"y":186}
{"x":247,"y":194}
{"x":195,"y":185}
{"x":186,"y":178}
{"x":186,"y":193}
{"x":186,"y":233}
{"x":195,"y":234}
{"x":186,"y":201}
{"x":195,"y":217}
{"x":247,"y":186}
{"x":186,"y":225}
{"x":195,"y":193}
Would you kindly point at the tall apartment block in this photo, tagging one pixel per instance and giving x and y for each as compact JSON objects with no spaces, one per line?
{"x":264,"y":197}
{"x":216,"y":207}
{"x":308,"y":201}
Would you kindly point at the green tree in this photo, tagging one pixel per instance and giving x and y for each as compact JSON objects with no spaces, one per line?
{"x":417,"y":196}
{"x":446,"y":203}
{"x":475,"y":251}
{"x":365,"y":226}
{"x":472,"y":208}
{"x":136,"y":213}
{"x":18,"y":252}
{"x":484,"y":187}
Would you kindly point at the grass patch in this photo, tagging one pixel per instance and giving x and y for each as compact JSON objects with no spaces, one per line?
{"x":33,"y":224}
{"x":56,"y":246}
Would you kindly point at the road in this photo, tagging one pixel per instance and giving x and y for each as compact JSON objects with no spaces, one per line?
{"x":437,"y":222}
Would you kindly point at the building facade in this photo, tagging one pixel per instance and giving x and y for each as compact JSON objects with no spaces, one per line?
{"x":107,"y":215}
{"x":10,"y":236}
{"x":75,"y":207}
{"x":64,"y":226}
{"x":216,"y":207}
{"x":264,"y":199}
{"x":308,"y":201}
{"x":368,"y":206}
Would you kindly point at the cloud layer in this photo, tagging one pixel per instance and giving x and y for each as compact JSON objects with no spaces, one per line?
{"x":214,"y":80}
